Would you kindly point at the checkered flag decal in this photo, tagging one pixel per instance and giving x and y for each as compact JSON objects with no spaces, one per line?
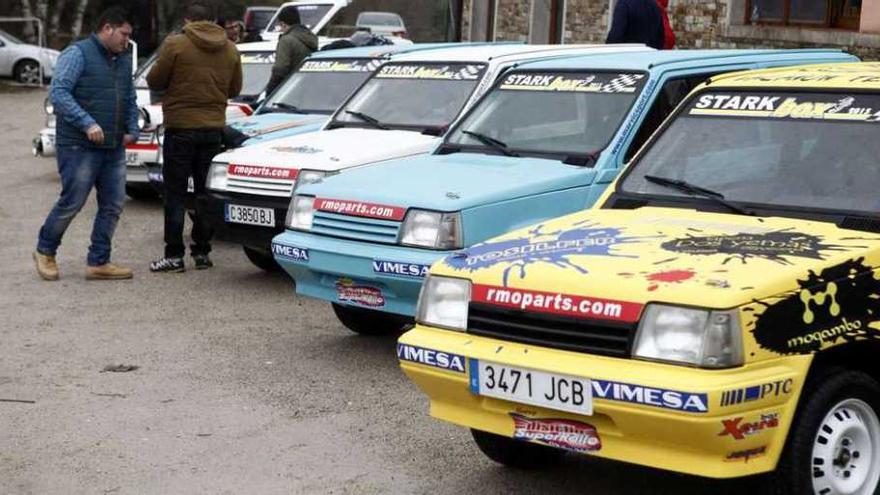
{"x":468,"y":73}
{"x":621,"y":83}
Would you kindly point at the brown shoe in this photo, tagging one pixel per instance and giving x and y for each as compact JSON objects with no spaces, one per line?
{"x":47,"y":268}
{"x":108,"y":271}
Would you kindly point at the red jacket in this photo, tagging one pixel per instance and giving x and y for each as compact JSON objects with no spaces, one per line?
{"x":668,"y":35}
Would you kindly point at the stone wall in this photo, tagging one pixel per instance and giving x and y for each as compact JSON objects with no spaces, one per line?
{"x":586,"y":21}
{"x":512,"y":20}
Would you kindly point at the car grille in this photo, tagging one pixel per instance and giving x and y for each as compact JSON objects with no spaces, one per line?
{"x":146,"y":137}
{"x":259,"y":187}
{"x":351,"y":227}
{"x":558,"y":332}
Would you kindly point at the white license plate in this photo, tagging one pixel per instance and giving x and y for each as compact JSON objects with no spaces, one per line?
{"x":250,"y":215}
{"x":537,"y":388}
{"x":132,"y":159}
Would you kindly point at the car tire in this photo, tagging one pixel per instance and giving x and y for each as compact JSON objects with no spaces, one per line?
{"x":261,"y":259}
{"x":368,"y":322}
{"x":517,"y":454}
{"x":141,"y":192}
{"x":27,"y":72}
{"x":834,"y":442}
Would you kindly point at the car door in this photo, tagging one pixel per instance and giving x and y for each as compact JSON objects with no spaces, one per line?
{"x":5,"y":57}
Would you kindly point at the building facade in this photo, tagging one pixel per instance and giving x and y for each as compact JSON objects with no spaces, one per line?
{"x":853,"y":25}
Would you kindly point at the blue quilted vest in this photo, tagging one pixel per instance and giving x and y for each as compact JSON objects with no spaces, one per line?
{"x":101,"y":90}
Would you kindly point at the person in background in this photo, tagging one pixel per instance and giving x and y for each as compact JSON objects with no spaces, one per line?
{"x":668,"y":33}
{"x":295,"y":44}
{"x":95,"y":101}
{"x":199,"y":71}
{"x":637,"y":21}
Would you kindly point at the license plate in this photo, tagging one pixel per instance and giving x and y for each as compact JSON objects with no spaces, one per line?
{"x":250,"y":215}
{"x":132,"y":159}
{"x":537,"y":388}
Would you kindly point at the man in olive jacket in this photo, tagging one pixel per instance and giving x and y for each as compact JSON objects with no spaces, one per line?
{"x":294,"y":46}
{"x":199,"y":71}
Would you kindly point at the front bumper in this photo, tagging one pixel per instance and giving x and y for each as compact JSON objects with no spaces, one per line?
{"x":629,"y":430}
{"x":44,"y":143}
{"x":212,"y":206}
{"x":394,"y":273}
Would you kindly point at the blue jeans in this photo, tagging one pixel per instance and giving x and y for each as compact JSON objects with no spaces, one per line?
{"x":82,"y":169}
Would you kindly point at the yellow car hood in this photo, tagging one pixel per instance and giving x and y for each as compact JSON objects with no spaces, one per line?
{"x":664,"y":255}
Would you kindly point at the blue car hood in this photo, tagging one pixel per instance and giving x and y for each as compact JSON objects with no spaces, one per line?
{"x":451,"y":182}
{"x":257,"y":125}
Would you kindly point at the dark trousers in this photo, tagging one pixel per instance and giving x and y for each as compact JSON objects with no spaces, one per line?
{"x":186,"y":153}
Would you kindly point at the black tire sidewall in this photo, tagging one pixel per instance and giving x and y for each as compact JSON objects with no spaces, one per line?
{"x":19,"y":68}
{"x":262,"y":260}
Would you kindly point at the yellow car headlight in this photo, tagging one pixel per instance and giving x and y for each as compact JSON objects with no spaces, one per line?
{"x":443,"y":302}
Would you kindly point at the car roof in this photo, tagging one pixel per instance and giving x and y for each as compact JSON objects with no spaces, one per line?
{"x":502,"y":52}
{"x":647,"y":60}
{"x":257,"y":46}
{"x":262,"y":7}
{"x":378,"y":50}
{"x":844,"y":75}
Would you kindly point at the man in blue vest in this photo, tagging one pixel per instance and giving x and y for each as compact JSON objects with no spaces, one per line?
{"x":96,"y":105}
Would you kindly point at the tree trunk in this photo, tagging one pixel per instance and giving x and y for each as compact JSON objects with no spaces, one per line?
{"x":29,"y":30}
{"x":79,"y":13}
{"x":55,"y":18}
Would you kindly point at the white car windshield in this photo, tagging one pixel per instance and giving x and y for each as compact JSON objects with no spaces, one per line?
{"x":567,"y":113}
{"x":10,"y":38}
{"x":420,"y":95}
{"x":780,"y":149}
{"x":320,"y":86}
{"x":256,"y":69}
{"x":310,"y":15}
{"x":376,"y":19}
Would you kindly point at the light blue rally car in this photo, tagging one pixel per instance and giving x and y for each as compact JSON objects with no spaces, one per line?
{"x":544,"y":142}
{"x":306,"y":99}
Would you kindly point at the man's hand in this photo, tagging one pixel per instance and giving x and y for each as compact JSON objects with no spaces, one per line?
{"x":128,"y":139}
{"x":95,"y":134}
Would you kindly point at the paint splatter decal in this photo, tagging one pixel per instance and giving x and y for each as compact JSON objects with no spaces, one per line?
{"x":773,"y":246}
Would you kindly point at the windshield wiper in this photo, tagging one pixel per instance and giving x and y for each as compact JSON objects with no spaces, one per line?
{"x":370,"y":120}
{"x":286,"y":106}
{"x":491,"y":142}
{"x":698,"y":191}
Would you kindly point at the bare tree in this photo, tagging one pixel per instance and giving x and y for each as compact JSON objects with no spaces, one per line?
{"x":79,"y":13}
{"x":55,"y":18}
{"x":28,"y":30}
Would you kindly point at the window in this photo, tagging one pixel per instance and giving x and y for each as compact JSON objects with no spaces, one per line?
{"x":843,"y":14}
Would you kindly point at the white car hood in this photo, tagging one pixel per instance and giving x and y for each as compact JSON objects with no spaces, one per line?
{"x":332,"y":150}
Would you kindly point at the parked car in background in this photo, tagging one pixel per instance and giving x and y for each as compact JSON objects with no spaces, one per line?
{"x":255,"y":21}
{"x":381,"y":23}
{"x":314,"y":15}
{"x":21,"y":61}
{"x":546,"y":141}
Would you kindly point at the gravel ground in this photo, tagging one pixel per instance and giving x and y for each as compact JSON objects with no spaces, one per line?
{"x":242,"y":387}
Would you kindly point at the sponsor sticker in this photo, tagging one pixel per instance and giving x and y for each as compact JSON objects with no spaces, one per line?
{"x":360,"y":209}
{"x":573,"y":82}
{"x":339,"y":66}
{"x":290,"y":252}
{"x":852,"y":108}
{"x":446,"y":72}
{"x":256,"y":171}
{"x":739,"y":429}
{"x":745,"y":455}
{"x":756,"y":392}
{"x":557,"y":303}
{"x":430,"y":357}
{"x":400,"y":268}
{"x":365,"y":295}
{"x":648,"y":396}
{"x":562,"y":433}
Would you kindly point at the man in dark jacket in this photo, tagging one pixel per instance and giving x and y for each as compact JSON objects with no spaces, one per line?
{"x":95,"y":102}
{"x":637,"y":21}
{"x":295,"y":44}
{"x":198,"y":71}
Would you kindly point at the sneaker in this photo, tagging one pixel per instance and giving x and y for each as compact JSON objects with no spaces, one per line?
{"x":47,"y":268}
{"x":202,"y":261}
{"x":108,"y":271}
{"x":168,"y":265}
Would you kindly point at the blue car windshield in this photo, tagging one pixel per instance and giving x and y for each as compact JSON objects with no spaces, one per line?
{"x":564,"y":113}
{"x":789,"y":150}
{"x":320,"y":86}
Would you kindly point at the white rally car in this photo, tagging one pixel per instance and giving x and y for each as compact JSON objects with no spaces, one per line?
{"x":402,"y":110}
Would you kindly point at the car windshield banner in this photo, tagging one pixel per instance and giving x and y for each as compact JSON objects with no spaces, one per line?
{"x":839,"y":107}
{"x":258,"y":58}
{"x":366,"y":65}
{"x":441,"y":72}
{"x":574,"y":82}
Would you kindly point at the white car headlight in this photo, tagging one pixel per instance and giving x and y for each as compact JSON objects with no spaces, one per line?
{"x":48,"y":107}
{"x":311,"y":177}
{"x":431,"y":229}
{"x":443,"y":302}
{"x":217,"y":176}
{"x":300,"y":213}
{"x":696,"y":337}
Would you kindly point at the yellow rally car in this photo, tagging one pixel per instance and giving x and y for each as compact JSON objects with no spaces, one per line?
{"x":717,"y":313}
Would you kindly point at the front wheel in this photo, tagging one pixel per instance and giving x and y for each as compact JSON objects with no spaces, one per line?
{"x":834,"y":443}
{"x":370,"y":322}
{"x":27,"y":72}
{"x":262,"y":259}
{"x":516,"y":453}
